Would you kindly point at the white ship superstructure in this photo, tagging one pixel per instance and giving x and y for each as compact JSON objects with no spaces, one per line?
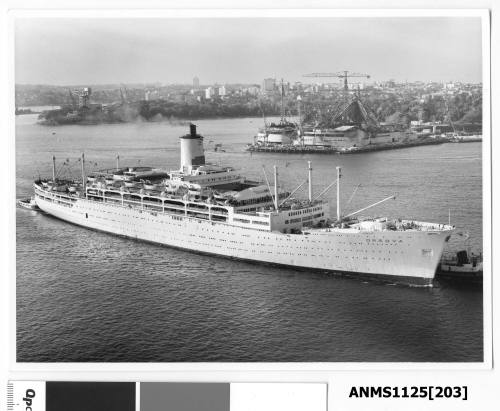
{"x":213,"y":209}
{"x":282,"y":133}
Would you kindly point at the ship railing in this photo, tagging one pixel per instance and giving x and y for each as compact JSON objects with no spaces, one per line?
{"x":158,"y":204}
{"x":190,"y":210}
{"x":218,"y":214}
{"x":68,"y":197}
{"x":218,"y":210}
{"x":55,"y":198}
{"x":196,"y":214}
{"x":198,"y":207}
{"x":153,"y":207}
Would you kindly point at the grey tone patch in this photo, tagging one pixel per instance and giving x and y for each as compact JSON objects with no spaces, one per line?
{"x":161,"y":396}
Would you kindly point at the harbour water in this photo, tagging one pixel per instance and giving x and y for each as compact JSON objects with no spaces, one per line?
{"x":88,"y":296}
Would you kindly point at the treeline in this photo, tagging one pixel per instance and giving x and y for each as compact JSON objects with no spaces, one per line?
{"x":155,"y":111}
{"x":207,"y":109}
{"x":460,"y":108}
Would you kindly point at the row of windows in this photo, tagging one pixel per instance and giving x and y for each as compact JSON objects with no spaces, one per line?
{"x":307,"y":211}
{"x":270,"y":251}
{"x":306,"y":218}
{"x":379,"y":242}
{"x":242,"y":220}
{"x":376,"y":242}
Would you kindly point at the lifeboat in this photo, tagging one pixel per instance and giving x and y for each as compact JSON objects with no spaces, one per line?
{"x":60,"y":188}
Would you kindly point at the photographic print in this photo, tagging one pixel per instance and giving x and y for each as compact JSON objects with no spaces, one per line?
{"x":249,"y":189}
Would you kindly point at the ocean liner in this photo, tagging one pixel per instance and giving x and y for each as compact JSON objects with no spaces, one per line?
{"x":215,"y":210}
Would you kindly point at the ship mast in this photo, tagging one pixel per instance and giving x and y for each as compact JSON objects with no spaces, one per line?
{"x":338,"y":193}
{"x":53,"y":169}
{"x":282,"y":106}
{"x":276,"y":187}
{"x":269,"y":186}
{"x":299,"y":99}
{"x":84,"y":182}
{"x":310,"y":181}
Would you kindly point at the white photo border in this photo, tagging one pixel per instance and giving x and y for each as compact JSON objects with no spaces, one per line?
{"x":184,"y":370}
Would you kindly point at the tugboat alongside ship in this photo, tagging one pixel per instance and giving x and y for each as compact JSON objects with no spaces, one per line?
{"x":215,"y":210}
{"x":462,"y":266}
{"x":28,"y":203}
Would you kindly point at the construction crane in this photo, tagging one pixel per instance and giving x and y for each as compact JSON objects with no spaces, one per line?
{"x":340,"y":74}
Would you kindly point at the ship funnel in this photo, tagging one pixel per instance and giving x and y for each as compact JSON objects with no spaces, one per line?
{"x":192,"y":152}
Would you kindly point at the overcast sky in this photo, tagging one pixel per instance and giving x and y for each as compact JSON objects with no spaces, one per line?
{"x":103,"y":51}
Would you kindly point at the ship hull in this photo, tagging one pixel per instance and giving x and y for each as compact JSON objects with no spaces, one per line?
{"x":398,"y":256}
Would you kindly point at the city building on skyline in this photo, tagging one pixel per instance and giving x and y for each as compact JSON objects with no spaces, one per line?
{"x":209,"y":92}
{"x":268,"y":85}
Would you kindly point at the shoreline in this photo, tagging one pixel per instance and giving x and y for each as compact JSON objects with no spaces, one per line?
{"x":181,"y":121}
{"x":289,"y":149}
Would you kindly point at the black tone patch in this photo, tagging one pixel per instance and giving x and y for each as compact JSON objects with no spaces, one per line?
{"x":90,"y":396}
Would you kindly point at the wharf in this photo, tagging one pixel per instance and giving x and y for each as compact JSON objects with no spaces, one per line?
{"x":298,"y":149}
